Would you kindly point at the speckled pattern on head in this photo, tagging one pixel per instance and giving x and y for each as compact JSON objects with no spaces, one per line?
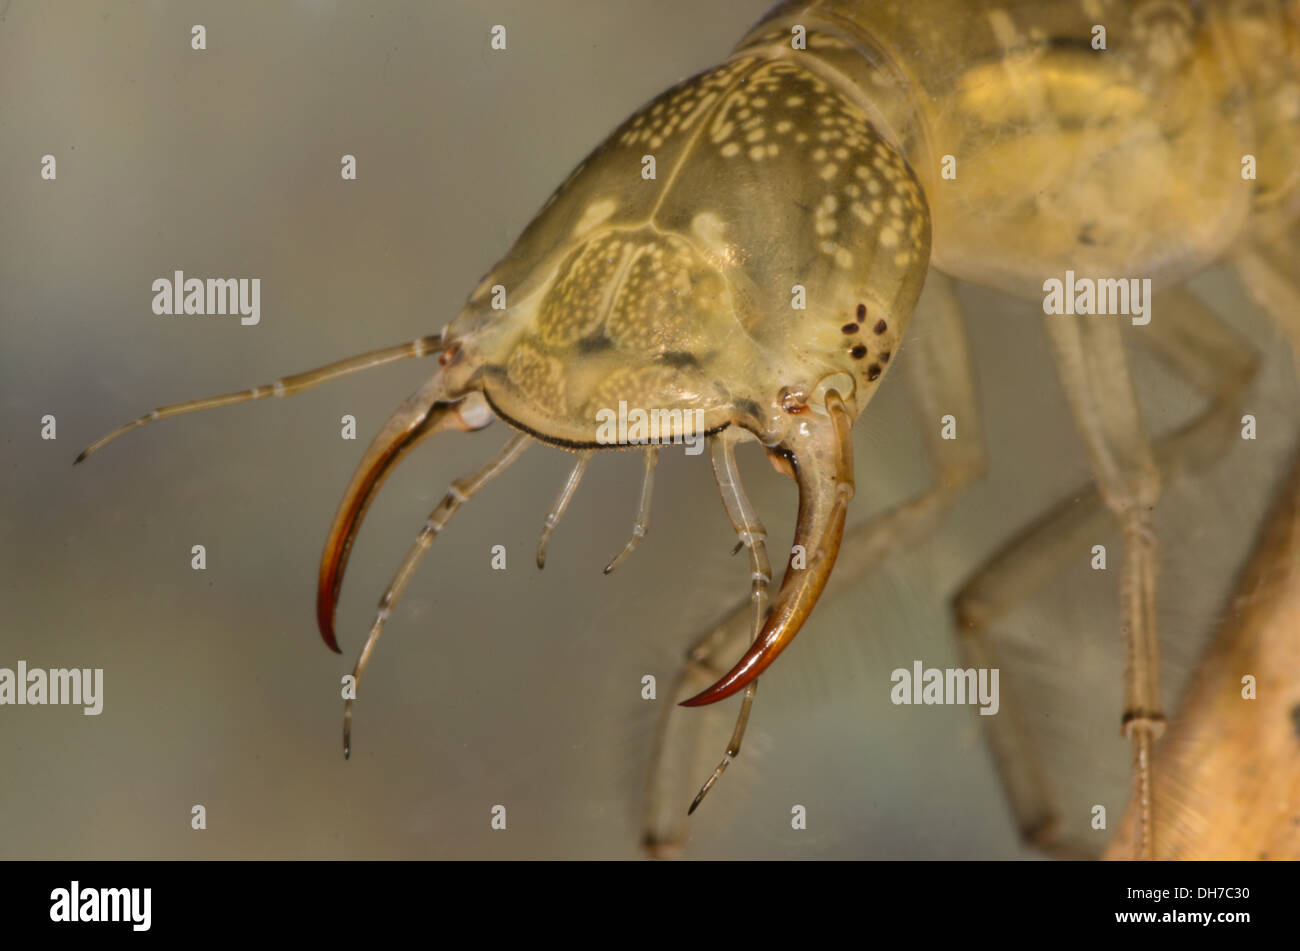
{"x":771,"y":188}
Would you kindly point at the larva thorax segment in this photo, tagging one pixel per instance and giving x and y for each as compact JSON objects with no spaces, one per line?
{"x":1108,"y":136}
{"x":653,"y":277}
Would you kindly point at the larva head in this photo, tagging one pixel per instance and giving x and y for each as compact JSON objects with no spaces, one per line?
{"x":744,"y":251}
{"x":737,"y":246}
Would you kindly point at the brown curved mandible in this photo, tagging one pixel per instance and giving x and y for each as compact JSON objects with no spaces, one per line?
{"x":420,"y":416}
{"x":823,"y":464}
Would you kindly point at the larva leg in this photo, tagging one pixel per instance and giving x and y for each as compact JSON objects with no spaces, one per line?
{"x":938,"y":368}
{"x":643,"y":509}
{"x":752,"y":535}
{"x":288,"y":386}
{"x":1094,"y":373}
{"x":677,"y":749}
{"x":1265,"y":271}
{"x":1199,"y":348}
{"x":562,"y":503}
{"x":460,"y":491}
{"x":1237,"y":776}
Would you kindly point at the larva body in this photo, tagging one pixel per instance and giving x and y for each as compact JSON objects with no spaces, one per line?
{"x":757,"y":283}
{"x":1001,"y":144}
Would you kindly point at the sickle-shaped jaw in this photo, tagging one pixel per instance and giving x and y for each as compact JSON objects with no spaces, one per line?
{"x":822,"y":456}
{"x":422,"y":414}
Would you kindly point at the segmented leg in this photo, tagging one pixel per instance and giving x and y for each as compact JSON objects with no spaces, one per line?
{"x":643,"y":509}
{"x":460,"y":491}
{"x":1098,"y":386}
{"x":1199,"y":348}
{"x":1265,"y":270}
{"x":288,"y":386}
{"x":938,"y":369}
{"x":562,"y":503}
{"x":752,"y":535}
{"x":1234,"y":776}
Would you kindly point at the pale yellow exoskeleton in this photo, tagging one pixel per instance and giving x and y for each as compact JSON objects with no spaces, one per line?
{"x":741,"y":257}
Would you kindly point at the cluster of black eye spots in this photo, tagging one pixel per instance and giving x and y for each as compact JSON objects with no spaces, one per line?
{"x":859,"y":350}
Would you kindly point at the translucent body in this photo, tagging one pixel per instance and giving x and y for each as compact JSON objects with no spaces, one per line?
{"x":816,"y":170}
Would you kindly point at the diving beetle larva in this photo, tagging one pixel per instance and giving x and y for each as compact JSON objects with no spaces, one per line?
{"x":741,"y":258}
